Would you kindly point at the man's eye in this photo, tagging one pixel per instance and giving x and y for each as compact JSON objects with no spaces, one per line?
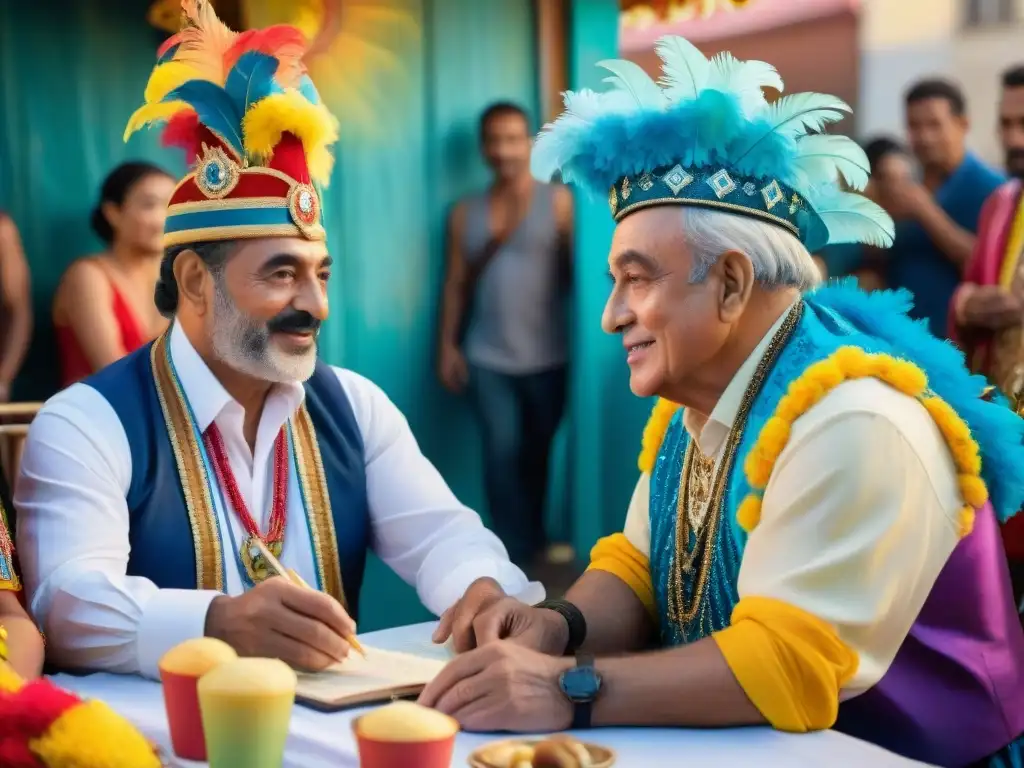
{"x":282,"y":274}
{"x":325,"y":275}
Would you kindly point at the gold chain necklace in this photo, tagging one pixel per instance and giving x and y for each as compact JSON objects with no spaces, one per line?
{"x":681,"y":611}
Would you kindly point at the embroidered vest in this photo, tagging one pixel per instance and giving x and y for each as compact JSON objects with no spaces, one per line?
{"x":955,"y":692}
{"x":174,"y":536}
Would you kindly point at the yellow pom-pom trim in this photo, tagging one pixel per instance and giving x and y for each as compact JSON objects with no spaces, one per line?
{"x":966,"y":520}
{"x":92,"y":734}
{"x":749,"y":513}
{"x":654,"y":433}
{"x":820,"y":378}
{"x":10,"y":681}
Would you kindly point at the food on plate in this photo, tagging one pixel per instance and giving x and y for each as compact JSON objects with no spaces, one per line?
{"x":554,"y":752}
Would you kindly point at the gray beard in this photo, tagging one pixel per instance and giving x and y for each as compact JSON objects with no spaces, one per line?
{"x":245,"y":344}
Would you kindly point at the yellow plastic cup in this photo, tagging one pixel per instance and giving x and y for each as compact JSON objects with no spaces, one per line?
{"x":247,"y":709}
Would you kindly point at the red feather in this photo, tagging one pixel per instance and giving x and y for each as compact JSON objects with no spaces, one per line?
{"x":169,"y":43}
{"x":182,"y":131}
{"x":27,"y":714}
{"x":282,"y":41}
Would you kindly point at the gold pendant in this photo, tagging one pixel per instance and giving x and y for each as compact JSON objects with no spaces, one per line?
{"x":256,"y":566}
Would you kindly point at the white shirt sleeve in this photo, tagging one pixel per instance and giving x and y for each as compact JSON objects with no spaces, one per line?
{"x":420,"y":530}
{"x":857,"y":521}
{"x":638,"y":517}
{"x":73,"y":545}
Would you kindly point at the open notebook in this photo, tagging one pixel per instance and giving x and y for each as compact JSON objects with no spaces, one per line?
{"x":381,"y":676}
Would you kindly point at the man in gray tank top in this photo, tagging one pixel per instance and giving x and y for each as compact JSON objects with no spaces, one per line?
{"x":504,"y":335}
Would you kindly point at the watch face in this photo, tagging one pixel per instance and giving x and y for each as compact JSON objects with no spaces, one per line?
{"x":580,"y":684}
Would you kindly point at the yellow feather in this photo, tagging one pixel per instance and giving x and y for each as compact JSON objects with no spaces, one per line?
{"x":290,"y":112}
{"x":166,"y":78}
{"x":153,"y":113}
{"x":204,"y":41}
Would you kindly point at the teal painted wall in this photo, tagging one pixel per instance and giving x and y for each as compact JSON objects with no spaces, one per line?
{"x":389,"y":236}
{"x":607,"y":420}
{"x":71,"y":72}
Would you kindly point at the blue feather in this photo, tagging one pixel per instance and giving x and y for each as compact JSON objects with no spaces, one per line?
{"x":998,"y":431}
{"x":252,"y":80}
{"x":307,"y":89}
{"x":216,"y":110}
{"x":713,"y":113}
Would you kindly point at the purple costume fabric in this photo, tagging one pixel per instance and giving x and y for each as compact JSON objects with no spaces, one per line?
{"x":955,"y":691}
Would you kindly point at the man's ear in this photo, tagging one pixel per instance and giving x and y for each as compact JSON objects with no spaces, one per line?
{"x":191,"y":274}
{"x":736,"y":277}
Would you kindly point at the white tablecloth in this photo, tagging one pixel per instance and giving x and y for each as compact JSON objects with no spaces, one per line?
{"x":319,"y":739}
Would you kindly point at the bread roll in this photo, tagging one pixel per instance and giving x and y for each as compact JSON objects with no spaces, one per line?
{"x":581,"y":753}
{"x":554,"y":754}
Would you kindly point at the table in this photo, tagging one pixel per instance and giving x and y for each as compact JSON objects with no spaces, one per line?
{"x":325,"y":739}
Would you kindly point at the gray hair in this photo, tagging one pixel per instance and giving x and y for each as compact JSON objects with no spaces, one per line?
{"x":779,"y":258}
{"x":215,"y":254}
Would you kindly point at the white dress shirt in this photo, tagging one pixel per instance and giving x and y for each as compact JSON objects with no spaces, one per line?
{"x":73,"y":518}
{"x":859,"y":516}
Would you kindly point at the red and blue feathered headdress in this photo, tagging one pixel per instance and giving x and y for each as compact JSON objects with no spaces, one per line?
{"x":257,"y":136}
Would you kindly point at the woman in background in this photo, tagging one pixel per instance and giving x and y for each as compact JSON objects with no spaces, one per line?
{"x":15,"y":305}
{"x":103,"y":308}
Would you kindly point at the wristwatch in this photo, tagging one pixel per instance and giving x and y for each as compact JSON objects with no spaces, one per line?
{"x":581,"y":685}
{"x":573,"y":617}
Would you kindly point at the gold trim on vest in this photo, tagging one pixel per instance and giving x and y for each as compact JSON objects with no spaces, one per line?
{"x":192,"y":470}
{"x":317,"y":504}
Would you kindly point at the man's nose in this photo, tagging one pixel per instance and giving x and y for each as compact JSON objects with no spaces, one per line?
{"x":313,"y":299}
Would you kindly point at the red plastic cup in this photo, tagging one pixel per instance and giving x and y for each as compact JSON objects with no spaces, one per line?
{"x":402,"y":751}
{"x":180,"y":670}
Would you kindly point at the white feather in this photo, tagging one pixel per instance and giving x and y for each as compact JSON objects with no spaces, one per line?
{"x":825,"y":157}
{"x":852,"y":218}
{"x":632,"y":79}
{"x":685,"y":69}
{"x":746,"y":80}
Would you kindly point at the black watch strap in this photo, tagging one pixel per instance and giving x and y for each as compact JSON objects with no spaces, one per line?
{"x":573,"y":617}
{"x":583,"y":710}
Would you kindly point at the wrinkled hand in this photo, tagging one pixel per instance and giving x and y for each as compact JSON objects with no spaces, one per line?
{"x":502,"y":687}
{"x":992,"y":307}
{"x":483,"y":617}
{"x":457,"y":621}
{"x":452,"y":369}
{"x":280,"y":620}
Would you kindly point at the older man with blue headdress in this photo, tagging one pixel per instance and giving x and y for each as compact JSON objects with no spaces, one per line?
{"x":813,"y":541}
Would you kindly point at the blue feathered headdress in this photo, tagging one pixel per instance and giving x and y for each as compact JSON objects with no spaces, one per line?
{"x":706,"y":136}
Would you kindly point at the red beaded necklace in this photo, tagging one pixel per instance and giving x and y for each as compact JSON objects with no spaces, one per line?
{"x":257,"y":569}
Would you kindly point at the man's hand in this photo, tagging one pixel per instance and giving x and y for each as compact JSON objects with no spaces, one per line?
{"x":457,"y":621}
{"x":991,"y":307}
{"x":904,"y":199}
{"x":278,"y":619}
{"x":452,"y":369}
{"x":483,"y":616}
{"x":502,"y":687}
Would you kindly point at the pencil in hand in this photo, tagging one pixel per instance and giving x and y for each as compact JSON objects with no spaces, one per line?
{"x":294,"y":578}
